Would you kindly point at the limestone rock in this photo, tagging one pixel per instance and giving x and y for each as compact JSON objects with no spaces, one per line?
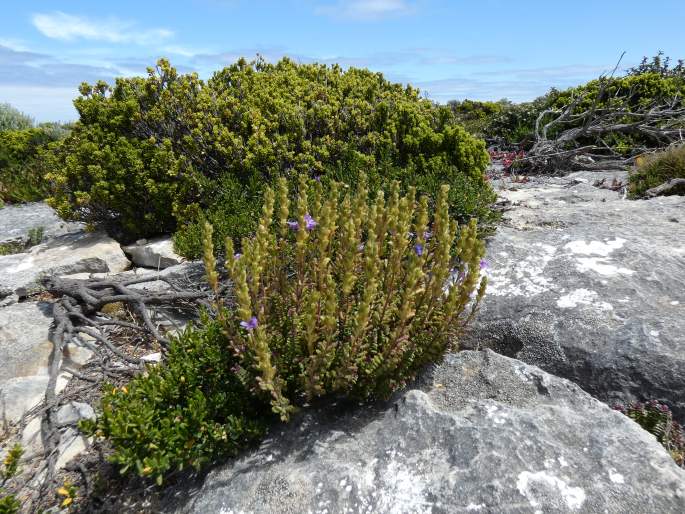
{"x":590,"y":286}
{"x":64,"y":255}
{"x":17,"y":220}
{"x":487,"y":434}
{"x":156,"y":253}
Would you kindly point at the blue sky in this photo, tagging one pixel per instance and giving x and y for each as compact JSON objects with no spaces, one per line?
{"x":484,"y":49}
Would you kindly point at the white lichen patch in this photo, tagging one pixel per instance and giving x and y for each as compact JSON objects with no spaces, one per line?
{"x":583,"y":297}
{"x":523,"y":277}
{"x":596,"y":256}
{"x":616,"y":478}
{"x":603,"y":249}
{"x":475,"y":507}
{"x":654,"y":333}
{"x":601,"y":266}
{"x":538,"y":486}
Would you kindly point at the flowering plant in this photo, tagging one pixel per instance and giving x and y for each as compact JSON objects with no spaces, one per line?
{"x":339,"y":294}
{"x":657,"y":419}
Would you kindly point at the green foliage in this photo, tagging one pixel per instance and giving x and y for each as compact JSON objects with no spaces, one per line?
{"x":9,"y":503}
{"x":657,"y":419}
{"x":656,"y":169}
{"x":336,"y":295}
{"x":13,"y":119}
{"x":476,"y":116}
{"x":11,"y":462}
{"x":24,"y":162}
{"x":183,"y":413}
{"x":151,"y":154}
{"x":35,"y":236}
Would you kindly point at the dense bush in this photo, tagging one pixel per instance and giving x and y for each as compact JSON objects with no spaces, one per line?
{"x":24,"y":156}
{"x":656,"y":169}
{"x":183,"y":413}
{"x":334,"y":296}
{"x":339,"y":296}
{"x":13,"y":119}
{"x":151,"y":154}
{"x":657,"y":419}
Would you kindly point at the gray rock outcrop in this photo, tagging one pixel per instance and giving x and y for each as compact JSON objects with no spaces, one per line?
{"x":486,"y":434}
{"x":590,"y":286}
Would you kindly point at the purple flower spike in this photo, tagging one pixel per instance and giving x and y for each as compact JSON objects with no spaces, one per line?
{"x":484,"y":264}
{"x":418,"y":248}
{"x":361,"y":247}
{"x":249,"y":325}
{"x":427,"y":235}
{"x":237,"y":256}
{"x":293,"y":225}
{"x":309,"y":222}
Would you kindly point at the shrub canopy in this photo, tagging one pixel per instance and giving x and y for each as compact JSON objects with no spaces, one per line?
{"x":154,"y":152}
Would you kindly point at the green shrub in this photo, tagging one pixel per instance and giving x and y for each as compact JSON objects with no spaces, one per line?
{"x":339,"y":296}
{"x":13,"y":119}
{"x":183,"y":413}
{"x":657,"y":419}
{"x":656,"y":169}
{"x":24,"y":157}
{"x":8,"y":503}
{"x":153,"y":154}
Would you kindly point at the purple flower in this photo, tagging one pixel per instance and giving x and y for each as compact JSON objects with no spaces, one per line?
{"x":237,"y":256}
{"x":484,"y":264}
{"x":418,"y":248}
{"x":249,"y":325}
{"x":427,"y":235}
{"x":309,"y":222}
{"x":361,"y":247}
{"x":293,"y":225}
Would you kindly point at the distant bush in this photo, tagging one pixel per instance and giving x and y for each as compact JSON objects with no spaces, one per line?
{"x":153,"y":154}
{"x":24,"y":162}
{"x":183,"y":413}
{"x":657,"y":419}
{"x":336,"y":295}
{"x":13,"y":119}
{"x":656,"y":169}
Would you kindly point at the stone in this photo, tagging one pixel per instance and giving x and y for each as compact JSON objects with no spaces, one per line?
{"x":589,"y":286}
{"x":64,"y":255}
{"x":483,"y":433}
{"x":17,"y":220}
{"x":73,"y":412}
{"x":19,"y":395}
{"x":24,"y":344}
{"x":32,"y":439}
{"x":157,"y":253}
{"x":72,"y":443}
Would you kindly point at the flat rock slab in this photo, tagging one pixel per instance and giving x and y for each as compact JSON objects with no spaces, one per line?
{"x":72,"y":253}
{"x":25,"y":355}
{"x":590,"y":286}
{"x":17,"y":220}
{"x":487,"y":434}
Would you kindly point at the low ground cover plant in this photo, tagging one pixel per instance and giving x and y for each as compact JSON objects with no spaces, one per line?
{"x":168,"y":151}
{"x":337,"y":294}
{"x":656,"y":169}
{"x":181,"y":414}
{"x":657,"y":419}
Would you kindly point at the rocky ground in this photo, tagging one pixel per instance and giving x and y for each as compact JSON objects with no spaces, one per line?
{"x":586,"y":302}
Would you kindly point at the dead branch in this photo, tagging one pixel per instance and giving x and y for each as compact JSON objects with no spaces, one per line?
{"x":674,"y":186}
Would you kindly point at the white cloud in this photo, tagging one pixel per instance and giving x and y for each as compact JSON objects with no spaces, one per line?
{"x":366,"y":9}
{"x":68,"y":27}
